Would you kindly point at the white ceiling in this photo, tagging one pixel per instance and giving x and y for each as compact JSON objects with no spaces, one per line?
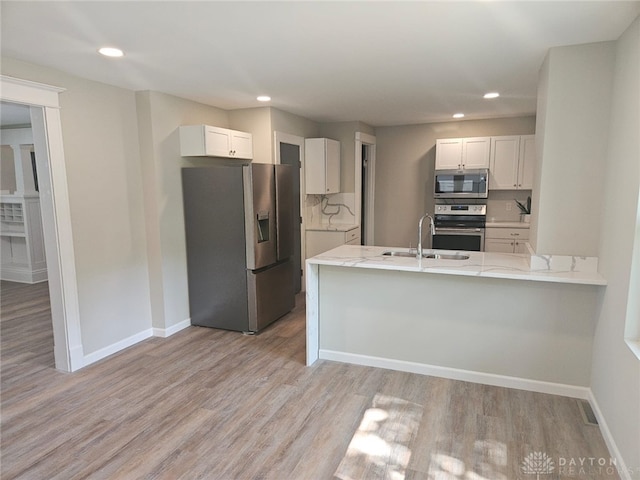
{"x":383,"y":63}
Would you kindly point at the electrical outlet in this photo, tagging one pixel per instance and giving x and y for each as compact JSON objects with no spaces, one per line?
{"x":508,"y":206}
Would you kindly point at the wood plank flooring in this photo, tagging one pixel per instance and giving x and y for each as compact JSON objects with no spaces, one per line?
{"x":211,"y":404}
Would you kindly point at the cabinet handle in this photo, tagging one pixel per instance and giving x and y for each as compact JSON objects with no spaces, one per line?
{"x":514,"y":234}
{"x":515,"y":185}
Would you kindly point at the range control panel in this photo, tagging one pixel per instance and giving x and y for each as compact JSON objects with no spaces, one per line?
{"x":461,"y":210}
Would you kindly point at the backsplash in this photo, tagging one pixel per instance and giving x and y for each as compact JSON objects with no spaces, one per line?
{"x":339,"y":208}
{"x":501,"y":205}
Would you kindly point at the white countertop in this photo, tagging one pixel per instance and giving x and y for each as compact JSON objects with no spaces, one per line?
{"x":479,"y":264}
{"x":497,"y":224}
{"x":334,"y":227}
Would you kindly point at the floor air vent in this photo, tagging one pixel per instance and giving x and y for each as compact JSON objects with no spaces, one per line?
{"x":587,"y":412}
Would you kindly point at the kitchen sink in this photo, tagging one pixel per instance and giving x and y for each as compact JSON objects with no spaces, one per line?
{"x":446,"y":256}
{"x":393,"y":253}
{"x":436,"y":256}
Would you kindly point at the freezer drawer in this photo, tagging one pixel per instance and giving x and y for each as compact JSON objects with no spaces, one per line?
{"x":270,"y":294}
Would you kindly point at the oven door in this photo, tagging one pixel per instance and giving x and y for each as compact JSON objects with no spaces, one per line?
{"x":469,"y":239}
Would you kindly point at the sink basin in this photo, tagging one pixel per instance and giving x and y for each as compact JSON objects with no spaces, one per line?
{"x":446,"y":256}
{"x":436,"y":256}
{"x":393,"y":253}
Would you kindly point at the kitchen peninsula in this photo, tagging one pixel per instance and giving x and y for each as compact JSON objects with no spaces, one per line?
{"x":501,"y":319}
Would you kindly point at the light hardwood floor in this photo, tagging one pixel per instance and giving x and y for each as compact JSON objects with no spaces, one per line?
{"x":211,"y":404}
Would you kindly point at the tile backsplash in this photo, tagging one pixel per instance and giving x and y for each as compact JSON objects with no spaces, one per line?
{"x":501,"y":205}
{"x":339,"y":208}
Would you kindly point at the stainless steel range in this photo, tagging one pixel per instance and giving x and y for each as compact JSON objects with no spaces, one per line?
{"x":460,"y":227}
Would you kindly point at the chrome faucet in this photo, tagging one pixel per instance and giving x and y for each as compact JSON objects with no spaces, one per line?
{"x":433,"y":231}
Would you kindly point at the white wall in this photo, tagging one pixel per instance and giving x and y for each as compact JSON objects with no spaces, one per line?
{"x":405,"y":162}
{"x":573,"y":122}
{"x":100,"y":134}
{"x":615,"y":379}
{"x":159,"y":116}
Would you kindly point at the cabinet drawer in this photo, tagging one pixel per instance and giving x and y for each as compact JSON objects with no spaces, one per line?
{"x":508,"y":233}
{"x":352,"y":234}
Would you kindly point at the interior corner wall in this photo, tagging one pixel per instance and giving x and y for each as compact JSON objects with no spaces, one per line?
{"x":160,"y":117}
{"x":286,"y":122}
{"x":615,"y":380}
{"x":573,"y":121}
{"x":102,"y":157}
{"x":257,"y":121}
{"x":405,"y":162}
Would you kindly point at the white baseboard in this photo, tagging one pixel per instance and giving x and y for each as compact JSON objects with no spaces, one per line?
{"x":116,"y":347}
{"x":167,"y":332}
{"x":23,"y":275}
{"x":623,"y":471}
{"x":458,"y":374}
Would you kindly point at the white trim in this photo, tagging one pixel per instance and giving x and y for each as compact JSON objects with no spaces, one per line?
{"x":634,"y":346}
{"x":365,"y":139}
{"x":623,"y":471}
{"x":27,"y":92}
{"x":573,"y":391}
{"x":116,"y":347}
{"x":167,"y":332}
{"x":56,"y":214}
{"x":281,"y":137}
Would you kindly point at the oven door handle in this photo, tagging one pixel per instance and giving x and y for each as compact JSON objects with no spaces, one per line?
{"x":465,"y":231}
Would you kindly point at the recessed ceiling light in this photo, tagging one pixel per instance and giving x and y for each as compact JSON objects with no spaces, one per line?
{"x":111,"y":52}
{"x":458,"y":115}
{"x":264,"y":98}
{"x":491,"y":95}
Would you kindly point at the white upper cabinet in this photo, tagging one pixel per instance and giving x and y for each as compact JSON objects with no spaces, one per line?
{"x":475,"y":152}
{"x":462,"y":153}
{"x":208,"y":141}
{"x":448,"y":154}
{"x":512,"y":162}
{"x":322,"y":166}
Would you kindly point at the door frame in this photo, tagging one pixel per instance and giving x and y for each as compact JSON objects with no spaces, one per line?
{"x":282,"y":137}
{"x":56,"y":214}
{"x":366,"y":139}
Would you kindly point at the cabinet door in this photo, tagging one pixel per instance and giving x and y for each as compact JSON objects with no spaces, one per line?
{"x":332,"y":166}
{"x":475,"y":152}
{"x":217,"y":141}
{"x":241,"y":144}
{"x":520,"y":247}
{"x":527,"y":162}
{"x":503,"y":167}
{"x":498,"y":245}
{"x":319,"y":242}
{"x":449,"y":154}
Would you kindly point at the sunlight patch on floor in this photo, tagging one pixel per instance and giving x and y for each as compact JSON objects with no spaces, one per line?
{"x":380,"y":446}
{"x":491,"y":466}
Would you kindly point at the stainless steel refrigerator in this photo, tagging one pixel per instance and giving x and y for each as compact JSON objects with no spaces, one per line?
{"x":239,"y":236}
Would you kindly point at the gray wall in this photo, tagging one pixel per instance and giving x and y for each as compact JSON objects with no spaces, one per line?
{"x":405,"y":162}
{"x":615,"y":379}
{"x":159,"y":116}
{"x":100,"y":135}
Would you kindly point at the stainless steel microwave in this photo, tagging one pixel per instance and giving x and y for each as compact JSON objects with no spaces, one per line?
{"x":461,"y":183}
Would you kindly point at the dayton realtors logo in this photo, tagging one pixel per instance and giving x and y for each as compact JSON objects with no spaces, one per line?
{"x":537,"y":463}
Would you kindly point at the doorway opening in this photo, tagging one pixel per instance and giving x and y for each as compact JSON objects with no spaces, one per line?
{"x":290,"y":151}
{"x":43,"y":103}
{"x":365,"y":185}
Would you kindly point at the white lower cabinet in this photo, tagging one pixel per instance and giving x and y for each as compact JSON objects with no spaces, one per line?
{"x":506,"y":240}
{"x":22,"y":249}
{"x":320,"y":241}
